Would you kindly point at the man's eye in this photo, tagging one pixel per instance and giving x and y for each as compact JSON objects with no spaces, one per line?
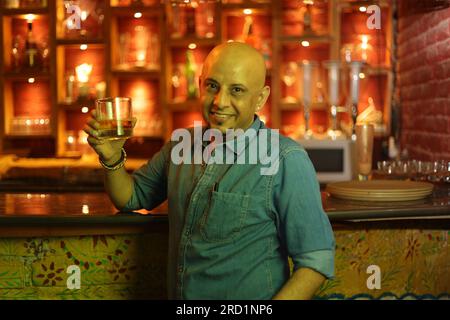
{"x":237,"y":90}
{"x":211,"y":86}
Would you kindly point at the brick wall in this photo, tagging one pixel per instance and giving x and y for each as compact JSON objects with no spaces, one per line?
{"x":424,"y":83}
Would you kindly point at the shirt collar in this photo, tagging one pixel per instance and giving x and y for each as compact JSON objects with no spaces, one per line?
{"x":236,"y":144}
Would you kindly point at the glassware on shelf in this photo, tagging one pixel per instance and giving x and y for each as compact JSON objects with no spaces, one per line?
{"x":205,"y":18}
{"x":141,"y":41}
{"x":348,"y":53}
{"x":44,"y":51}
{"x":309,"y":78}
{"x":176,"y":21}
{"x":178,"y":83}
{"x":154,"y":49}
{"x":266,"y":52}
{"x":355,"y":69}
{"x":12,"y":4}
{"x":30,"y":125}
{"x":334,"y":68}
{"x":307,"y":16}
{"x":33,"y":3}
{"x":191,"y":75}
{"x":16,"y":53}
{"x":210,"y":19}
{"x":70,"y":83}
{"x":190,"y":10}
{"x":124,"y":49}
{"x":289,"y":76}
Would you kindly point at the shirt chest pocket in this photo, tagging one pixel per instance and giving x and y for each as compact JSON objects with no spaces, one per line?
{"x":224,"y":217}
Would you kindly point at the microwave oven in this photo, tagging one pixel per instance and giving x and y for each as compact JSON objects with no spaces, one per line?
{"x":333,"y":160}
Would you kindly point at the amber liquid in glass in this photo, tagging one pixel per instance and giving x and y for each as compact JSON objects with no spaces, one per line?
{"x":115,"y":129}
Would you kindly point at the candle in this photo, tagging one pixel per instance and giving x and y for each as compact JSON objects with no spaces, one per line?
{"x":83,"y":72}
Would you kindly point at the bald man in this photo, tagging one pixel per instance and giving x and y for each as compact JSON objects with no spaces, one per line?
{"x":232,"y":228}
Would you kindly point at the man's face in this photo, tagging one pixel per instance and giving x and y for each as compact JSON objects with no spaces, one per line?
{"x":229,"y":95}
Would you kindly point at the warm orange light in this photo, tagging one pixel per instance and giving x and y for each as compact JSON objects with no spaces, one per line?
{"x":83,"y":72}
{"x":362,"y":9}
{"x":31,"y":80}
{"x":85,"y":110}
{"x":83,"y":47}
{"x":247,"y":11}
{"x":84,"y":15}
{"x":138,"y":15}
{"x":30,"y":17}
{"x":305,"y":43}
{"x":364,"y":41}
{"x":192,"y":46}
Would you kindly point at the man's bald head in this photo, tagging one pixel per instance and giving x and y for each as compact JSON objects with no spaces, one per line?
{"x":232,"y":86}
{"x":240,"y":55}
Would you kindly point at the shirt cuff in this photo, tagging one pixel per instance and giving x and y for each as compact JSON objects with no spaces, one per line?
{"x":321,"y":261}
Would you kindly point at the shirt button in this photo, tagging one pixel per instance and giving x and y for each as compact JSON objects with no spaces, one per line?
{"x":180,"y":268}
{"x":187,"y":233}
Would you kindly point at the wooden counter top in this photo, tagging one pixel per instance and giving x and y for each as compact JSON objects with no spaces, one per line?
{"x":81,"y":208}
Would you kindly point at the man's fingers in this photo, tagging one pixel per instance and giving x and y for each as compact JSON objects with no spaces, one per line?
{"x":94,"y":141}
{"x":94,"y":113}
{"x":90,"y":131}
{"x":93,"y":123}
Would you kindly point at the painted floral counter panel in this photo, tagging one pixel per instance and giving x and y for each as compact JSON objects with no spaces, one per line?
{"x":371,"y":263}
{"x":409,"y":264}
{"x":106,"y":267}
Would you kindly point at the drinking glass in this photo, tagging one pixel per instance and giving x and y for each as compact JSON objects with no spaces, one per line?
{"x":115,"y":118}
{"x":364,"y":149}
{"x":424,"y":169}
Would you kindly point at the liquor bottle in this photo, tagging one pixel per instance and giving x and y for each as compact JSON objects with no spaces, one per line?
{"x":247,"y":33}
{"x":307,"y":17}
{"x":31,"y":50}
{"x":190,"y":20}
{"x":191,"y":70}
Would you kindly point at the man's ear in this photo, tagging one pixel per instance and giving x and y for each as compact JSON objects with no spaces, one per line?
{"x":262,"y":98}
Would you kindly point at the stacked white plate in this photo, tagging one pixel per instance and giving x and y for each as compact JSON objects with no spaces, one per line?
{"x":380,"y":190}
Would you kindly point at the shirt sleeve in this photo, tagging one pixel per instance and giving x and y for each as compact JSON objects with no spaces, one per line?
{"x":302,"y":224}
{"x":150,"y":182}
{"x":321,"y":261}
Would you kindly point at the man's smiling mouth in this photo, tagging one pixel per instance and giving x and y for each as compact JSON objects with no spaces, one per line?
{"x":220,"y":115}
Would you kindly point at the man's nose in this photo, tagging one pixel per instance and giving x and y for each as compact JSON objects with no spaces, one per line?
{"x":222,"y":99}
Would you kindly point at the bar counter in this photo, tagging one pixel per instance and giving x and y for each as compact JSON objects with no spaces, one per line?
{"x":68,"y":209}
{"x":123,"y":255}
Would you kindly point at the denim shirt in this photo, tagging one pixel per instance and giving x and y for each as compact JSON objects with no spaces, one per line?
{"x":231,"y":229}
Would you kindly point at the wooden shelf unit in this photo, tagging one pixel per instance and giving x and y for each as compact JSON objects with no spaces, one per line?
{"x":282,"y":22}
